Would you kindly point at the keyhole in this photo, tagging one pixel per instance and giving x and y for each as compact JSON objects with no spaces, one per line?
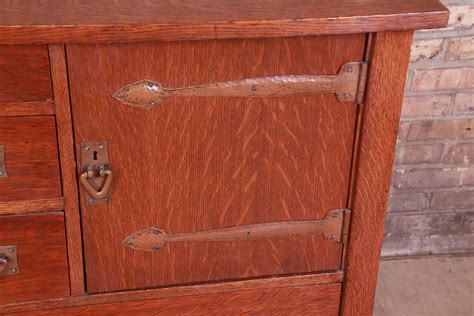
{"x":95,"y":155}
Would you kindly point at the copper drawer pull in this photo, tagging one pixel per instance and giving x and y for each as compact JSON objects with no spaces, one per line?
{"x":3,"y":168}
{"x":8,"y":260}
{"x":97,"y":194}
{"x":348,"y":85}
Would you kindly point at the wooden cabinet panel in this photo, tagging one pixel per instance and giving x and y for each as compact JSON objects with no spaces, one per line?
{"x":42,"y":259}
{"x":24,"y":73}
{"x":322,"y":300}
{"x":31,"y":158}
{"x":201,"y":163}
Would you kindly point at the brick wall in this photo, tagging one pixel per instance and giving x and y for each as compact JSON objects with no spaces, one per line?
{"x":431,"y":207}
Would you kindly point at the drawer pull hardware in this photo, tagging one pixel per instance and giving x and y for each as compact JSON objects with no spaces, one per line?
{"x":331,"y":227}
{"x":348,"y":85}
{"x":97,"y":194}
{"x":8,"y":260}
{"x":3,"y":168}
{"x":96,"y":176}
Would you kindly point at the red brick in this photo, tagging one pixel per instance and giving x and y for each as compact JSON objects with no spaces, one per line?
{"x":408,"y":201}
{"x":460,"y":154}
{"x":415,"y":154}
{"x":403,"y":130}
{"x":429,"y":178}
{"x":464,"y":103}
{"x":452,"y":200}
{"x":432,"y":105}
{"x":442,"y":79}
{"x":468,"y":177}
{"x":441,"y":129}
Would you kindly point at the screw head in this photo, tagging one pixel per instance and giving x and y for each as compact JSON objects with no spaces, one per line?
{"x":1,"y":173}
{"x":152,"y":103}
{"x":86,"y":147}
{"x":14,"y":270}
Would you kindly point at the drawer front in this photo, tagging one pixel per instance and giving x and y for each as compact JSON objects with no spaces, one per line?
{"x":42,"y":270}
{"x":30,"y":158}
{"x":211,"y":163}
{"x":321,"y":300}
{"x":24,"y":74}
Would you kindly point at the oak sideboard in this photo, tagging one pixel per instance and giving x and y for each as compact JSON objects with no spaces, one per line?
{"x":198,"y":157}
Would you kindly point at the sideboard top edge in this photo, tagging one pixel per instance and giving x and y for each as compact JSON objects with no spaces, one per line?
{"x":69,"y":21}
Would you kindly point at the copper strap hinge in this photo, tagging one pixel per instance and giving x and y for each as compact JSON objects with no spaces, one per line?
{"x":331,"y":228}
{"x":348,"y":85}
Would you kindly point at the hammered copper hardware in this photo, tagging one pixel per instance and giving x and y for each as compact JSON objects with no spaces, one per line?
{"x":3,"y":168}
{"x":96,"y":176}
{"x":153,"y":239}
{"x":348,"y":84}
{"x":8,"y":260}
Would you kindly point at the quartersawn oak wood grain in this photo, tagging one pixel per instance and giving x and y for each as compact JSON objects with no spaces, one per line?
{"x":66,"y":21}
{"x":31,"y":158}
{"x":31,"y":206}
{"x":388,"y":62}
{"x":176,"y":291}
{"x":24,"y":73}
{"x":41,"y":257}
{"x":197,"y":164}
{"x":68,"y":167}
{"x":26,"y":108}
{"x":316,"y":300}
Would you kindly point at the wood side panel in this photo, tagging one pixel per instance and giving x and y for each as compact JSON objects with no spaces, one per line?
{"x":24,"y":73}
{"x":69,"y":21}
{"x":177,"y":291}
{"x":215,"y":162}
{"x":31,"y":158}
{"x":320,"y":300}
{"x":380,"y":119}
{"x":68,"y":167}
{"x":26,"y":108}
{"x":31,"y":206}
{"x":42,"y":257}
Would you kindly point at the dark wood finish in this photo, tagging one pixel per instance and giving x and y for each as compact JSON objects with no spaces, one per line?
{"x":31,"y":156}
{"x":26,"y":108}
{"x":41,"y":257}
{"x":141,"y":20}
{"x":170,"y":292}
{"x":389,"y":56}
{"x":216,"y":162}
{"x":68,"y":167}
{"x":24,"y":73}
{"x":31,"y":206}
{"x":317,"y":300}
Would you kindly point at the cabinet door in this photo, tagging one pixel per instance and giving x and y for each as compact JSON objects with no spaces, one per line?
{"x":203,"y":163}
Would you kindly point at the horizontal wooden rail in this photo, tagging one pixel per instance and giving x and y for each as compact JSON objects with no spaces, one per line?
{"x":26,"y":108}
{"x":31,"y":206}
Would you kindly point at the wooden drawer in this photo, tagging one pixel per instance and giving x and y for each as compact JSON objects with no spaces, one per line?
{"x":203,"y":163}
{"x":24,"y":74}
{"x":41,"y":256}
{"x":322,"y":300}
{"x":30,"y":155}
